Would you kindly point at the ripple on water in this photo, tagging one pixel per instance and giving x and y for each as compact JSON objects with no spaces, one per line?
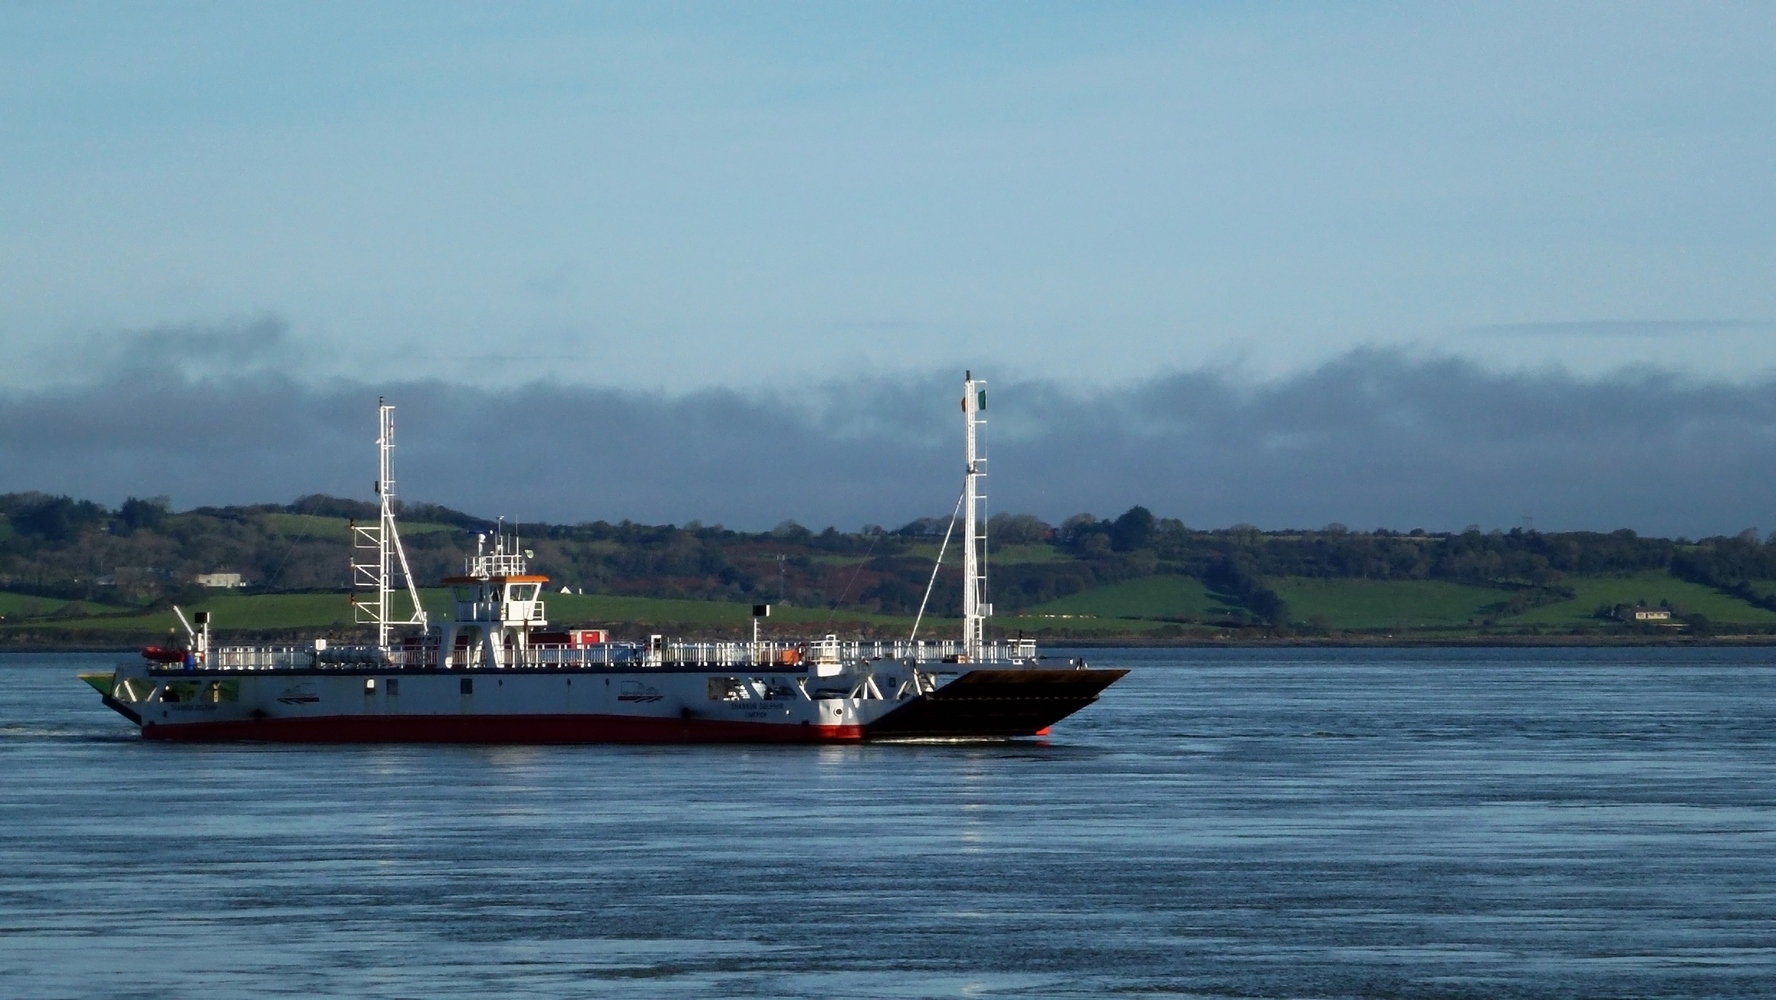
{"x":1226,"y":822}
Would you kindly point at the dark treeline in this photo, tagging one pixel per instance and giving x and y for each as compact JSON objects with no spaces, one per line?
{"x":143,"y":553}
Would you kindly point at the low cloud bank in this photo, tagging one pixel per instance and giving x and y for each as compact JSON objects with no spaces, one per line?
{"x":1374,"y":438}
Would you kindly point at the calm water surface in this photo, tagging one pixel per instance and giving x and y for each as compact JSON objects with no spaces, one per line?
{"x":1426,"y":823}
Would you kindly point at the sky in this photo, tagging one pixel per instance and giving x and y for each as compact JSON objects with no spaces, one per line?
{"x":675,"y":241}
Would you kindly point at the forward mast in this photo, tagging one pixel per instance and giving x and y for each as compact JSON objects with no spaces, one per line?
{"x":376,"y":550}
{"x":975,"y":607}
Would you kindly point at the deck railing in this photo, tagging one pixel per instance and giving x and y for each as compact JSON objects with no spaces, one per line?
{"x":782,"y":656}
{"x":259,"y":658}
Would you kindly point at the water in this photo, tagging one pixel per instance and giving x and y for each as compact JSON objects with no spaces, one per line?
{"x":1300,"y":823}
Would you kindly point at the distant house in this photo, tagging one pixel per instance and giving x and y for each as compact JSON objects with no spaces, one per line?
{"x":226,"y":581}
{"x":1644,"y":614}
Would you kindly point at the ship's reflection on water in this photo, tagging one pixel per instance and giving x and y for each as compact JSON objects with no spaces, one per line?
{"x":1334,"y":823}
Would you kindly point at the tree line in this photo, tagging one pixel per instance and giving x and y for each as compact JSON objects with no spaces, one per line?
{"x":143,"y":552}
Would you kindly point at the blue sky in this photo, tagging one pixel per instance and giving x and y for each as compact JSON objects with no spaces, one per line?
{"x":757,"y":198}
{"x":731,"y":194}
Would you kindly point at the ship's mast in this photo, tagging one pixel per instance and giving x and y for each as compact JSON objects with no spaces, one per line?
{"x":385,"y":541}
{"x":975,"y":608}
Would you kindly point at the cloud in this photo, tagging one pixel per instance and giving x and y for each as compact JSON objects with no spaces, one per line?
{"x":1624,"y":328}
{"x":1373,"y":438}
{"x":189,"y":353}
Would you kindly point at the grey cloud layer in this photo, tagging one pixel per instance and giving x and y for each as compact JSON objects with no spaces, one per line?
{"x":1372,"y":439}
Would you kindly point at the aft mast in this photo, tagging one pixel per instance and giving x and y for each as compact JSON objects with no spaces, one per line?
{"x":975,"y":608}
{"x":385,"y":541}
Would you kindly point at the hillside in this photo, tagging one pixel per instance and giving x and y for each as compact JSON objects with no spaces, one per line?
{"x":76,"y":571}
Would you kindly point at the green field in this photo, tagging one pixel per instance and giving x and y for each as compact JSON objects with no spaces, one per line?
{"x":628,"y":615}
{"x":1130,"y":608}
{"x":1092,"y":627}
{"x":599,"y":609}
{"x":1148,"y":597}
{"x":16,"y":606}
{"x":1390,"y":604}
{"x":263,"y":612}
{"x":1348,"y":604}
{"x":1006,"y":556}
{"x":1686,"y":597}
{"x":1381,"y":604}
{"x":232,"y":611}
{"x":1014,"y":554}
{"x":593,"y":610}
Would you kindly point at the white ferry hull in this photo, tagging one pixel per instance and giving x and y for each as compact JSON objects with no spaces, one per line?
{"x":638,"y":705}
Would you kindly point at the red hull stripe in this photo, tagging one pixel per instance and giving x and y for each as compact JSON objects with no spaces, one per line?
{"x":502,"y":729}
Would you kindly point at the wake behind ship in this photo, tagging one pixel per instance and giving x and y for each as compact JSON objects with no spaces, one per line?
{"x":496,"y":672}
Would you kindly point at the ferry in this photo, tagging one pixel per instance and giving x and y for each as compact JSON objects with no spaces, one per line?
{"x":496,"y":671}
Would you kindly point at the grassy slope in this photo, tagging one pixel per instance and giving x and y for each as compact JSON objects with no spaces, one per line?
{"x":231,"y":611}
{"x":255,"y":612}
{"x":598,"y":609}
{"x":1366,"y":604}
{"x":1148,"y":597}
{"x":260,"y":612}
{"x":1345,"y":603}
{"x":1131,"y":607}
{"x":1651,"y":587}
{"x":13,"y":606}
{"x":1381,"y":604}
{"x":1084,"y":628}
{"x":1006,"y":555}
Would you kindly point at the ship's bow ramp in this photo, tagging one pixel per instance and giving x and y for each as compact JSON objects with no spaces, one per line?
{"x":996,"y":703}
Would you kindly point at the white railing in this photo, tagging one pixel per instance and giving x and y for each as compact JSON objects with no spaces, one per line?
{"x":497,"y":564}
{"x":834,"y":650}
{"x":791,"y":655}
{"x":604,"y":654}
{"x":788,"y":656}
{"x":259,"y":658}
